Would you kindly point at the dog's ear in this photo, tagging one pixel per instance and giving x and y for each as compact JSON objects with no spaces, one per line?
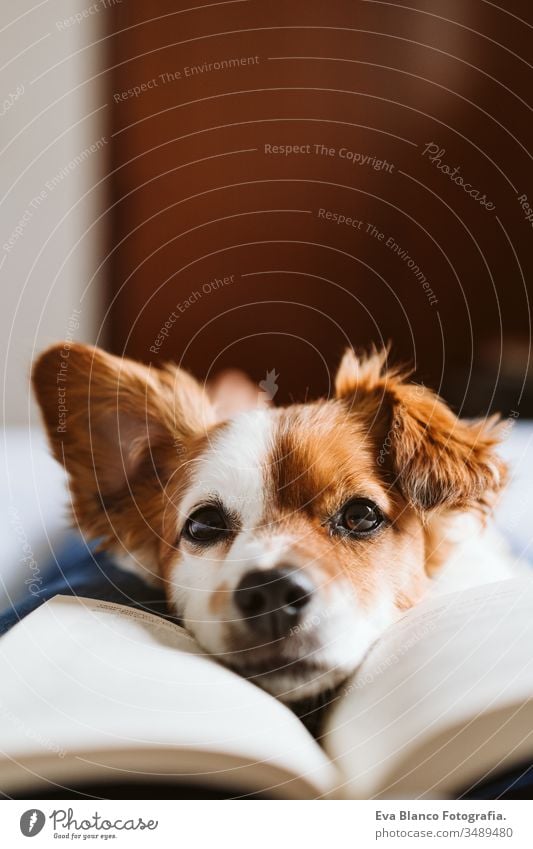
{"x":118,"y":428}
{"x":435,"y":458}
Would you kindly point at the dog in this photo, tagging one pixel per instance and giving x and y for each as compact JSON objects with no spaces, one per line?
{"x":287,"y":538}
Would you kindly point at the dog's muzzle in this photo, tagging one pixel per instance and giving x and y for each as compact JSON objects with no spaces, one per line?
{"x":273,"y":602}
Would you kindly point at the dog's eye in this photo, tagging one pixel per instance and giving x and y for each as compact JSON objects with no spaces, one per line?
{"x":359,"y":518}
{"x":207,"y":524}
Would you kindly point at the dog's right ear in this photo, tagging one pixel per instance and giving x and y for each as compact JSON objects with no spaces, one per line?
{"x":115,"y":425}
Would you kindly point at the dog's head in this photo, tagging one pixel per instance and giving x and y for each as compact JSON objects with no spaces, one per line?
{"x":286,"y":539}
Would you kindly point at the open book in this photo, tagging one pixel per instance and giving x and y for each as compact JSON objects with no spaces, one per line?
{"x":97,"y":692}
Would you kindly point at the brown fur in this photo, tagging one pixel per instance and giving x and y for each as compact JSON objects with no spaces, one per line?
{"x":126,"y":430}
{"x":436,"y":459}
{"x":219,"y":599}
{"x":131,"y":435}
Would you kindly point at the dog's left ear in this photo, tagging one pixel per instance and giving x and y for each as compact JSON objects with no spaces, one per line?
{"x":435,"y":459}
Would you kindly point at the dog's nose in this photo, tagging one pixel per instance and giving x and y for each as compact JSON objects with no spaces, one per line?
{"x":273,"y":601}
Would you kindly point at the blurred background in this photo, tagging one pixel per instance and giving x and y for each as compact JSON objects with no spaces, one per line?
{"x":264,"y":125}
{"x":358,"y":171}
{"x":260,"y":185}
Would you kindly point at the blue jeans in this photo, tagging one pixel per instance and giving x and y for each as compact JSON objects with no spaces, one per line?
{"x":79,"y":570}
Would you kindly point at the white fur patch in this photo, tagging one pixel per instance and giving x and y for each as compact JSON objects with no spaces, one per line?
{"x":232,"y":471}
{"x":233,"y":468}
{"x":480,"y":557}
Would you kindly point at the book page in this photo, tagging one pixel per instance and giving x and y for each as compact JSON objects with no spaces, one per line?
{"x":95,"y":691}
{"x":443,"y":697}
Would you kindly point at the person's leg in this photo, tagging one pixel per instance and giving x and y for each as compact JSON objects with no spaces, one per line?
{"x":80,"y":570}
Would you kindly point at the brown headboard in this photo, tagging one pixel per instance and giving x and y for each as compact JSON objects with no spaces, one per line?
{"x":293,"y":177}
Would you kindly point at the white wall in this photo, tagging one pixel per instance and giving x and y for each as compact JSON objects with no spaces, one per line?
{"x":48,"y":269}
